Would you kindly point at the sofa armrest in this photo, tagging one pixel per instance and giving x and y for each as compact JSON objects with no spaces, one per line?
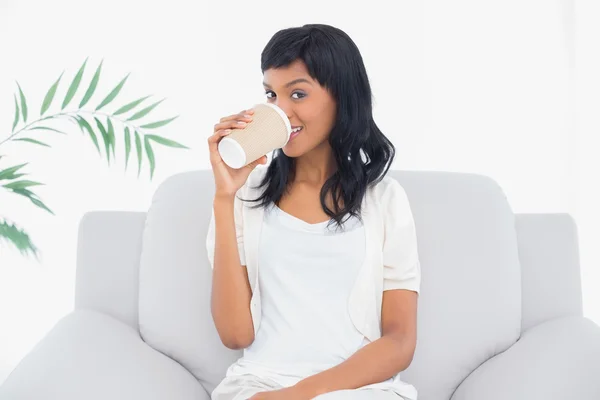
{"x":108,"y":260}
{"x":92,"y":356}
{"x":558,"y":359}
{"x":550,"y":272}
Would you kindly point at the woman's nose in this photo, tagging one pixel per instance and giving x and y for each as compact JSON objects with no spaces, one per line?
{"x":285,"y":107}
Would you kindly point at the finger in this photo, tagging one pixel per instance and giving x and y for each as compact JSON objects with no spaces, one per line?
{"x":214,"y":139}
{"x":231,"y":124}
{"x":254,"y":164}
{"x":242,"y":113}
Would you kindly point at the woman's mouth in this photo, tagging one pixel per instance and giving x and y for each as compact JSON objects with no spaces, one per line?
{"x":295,"y":131}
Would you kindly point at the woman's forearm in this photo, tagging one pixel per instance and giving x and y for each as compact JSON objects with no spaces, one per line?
{"x":231,"y":293}
{"x":376,"y":362}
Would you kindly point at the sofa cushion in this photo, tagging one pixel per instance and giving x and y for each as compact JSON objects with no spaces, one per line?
{"x":176,"y":278}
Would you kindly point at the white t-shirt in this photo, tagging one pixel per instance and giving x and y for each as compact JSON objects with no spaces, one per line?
{"x":307,"y":272}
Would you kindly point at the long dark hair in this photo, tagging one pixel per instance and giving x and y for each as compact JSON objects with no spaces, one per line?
{"x":333,"y":60}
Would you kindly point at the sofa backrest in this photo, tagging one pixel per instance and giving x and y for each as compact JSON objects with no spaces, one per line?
{"x":175,"y":278}
{"x":470,"y":301}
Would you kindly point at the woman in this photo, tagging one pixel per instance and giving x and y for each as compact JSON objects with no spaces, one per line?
{"x":318,"y":279}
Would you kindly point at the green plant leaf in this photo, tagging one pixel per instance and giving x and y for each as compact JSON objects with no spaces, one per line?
{"x":138,"y":148}
{"x":21,"y":184}
{"x":18,"y":238}
{"x":111,"y":135}
{"x":85,"y":125}
{"x":15,"y":176}
{"x":50,"y":96}
{"x":145,"y":111}
{"x":150,"y":154}
{"x":41,"y":205}
{"x":9,"y":173}
{"x":33,"y":198}
{"x":158,"y":124}
{"x":23,"y":104}
{"x":111,"y":96}
{"x":165,"y":141}
{"x":31,"y":141}
{"x":92,"y":88}
{"x":75,"y":120}
{"x":46,"y":129}
{"x":74,"y":86}
{"x":129,"y":106}
{"x":105,"y":138}
{"x":127,"y":145}
{"x":16,"y":120}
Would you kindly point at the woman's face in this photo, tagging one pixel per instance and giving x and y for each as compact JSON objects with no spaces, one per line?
{"x":307,"y":105}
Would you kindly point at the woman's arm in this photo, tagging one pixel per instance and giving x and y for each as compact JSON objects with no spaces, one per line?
{"x":231,"y":292}
{"x":379,"y":360}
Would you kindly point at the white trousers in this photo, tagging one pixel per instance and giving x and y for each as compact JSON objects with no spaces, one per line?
{"x":245,"y":386}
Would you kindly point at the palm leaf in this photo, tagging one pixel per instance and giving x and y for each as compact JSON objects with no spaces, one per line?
{"x":92,"y":88}
{"x":145,"y":111}
{"x":50,"y":96}
{"x":74,"y":86}
{"x":105,"y":138}
{"x":129,"y":106}
{"x":33,"y":198}
{"x":45,"y":128}
{"x":9,"y":173}
{"x":32,"y":141}
{"x":17,"y":237}
{"x":158,"y":124}
{"x":127,"y":145}
{"x":150,"y":154}
{"x":138,"y":148}
{"x":23,"y":104}
{"x":85,"y":125}
{"x":111,"y":96}
{"x":16,"y":120}
{"x":111,"y":135}
{"x":165,"y":141}
{"x":21,"y":184}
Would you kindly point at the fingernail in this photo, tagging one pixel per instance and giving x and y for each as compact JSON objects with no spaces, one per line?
{"x":247,"y":116}
{"x":241,"y":123}
{"x":227,"y":131}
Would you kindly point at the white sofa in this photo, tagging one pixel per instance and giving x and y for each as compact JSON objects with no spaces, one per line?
{"x":500,"y":314}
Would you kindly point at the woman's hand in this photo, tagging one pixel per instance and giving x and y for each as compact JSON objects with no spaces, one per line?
{"x":228,"y":180}
{"x":289,"y":393}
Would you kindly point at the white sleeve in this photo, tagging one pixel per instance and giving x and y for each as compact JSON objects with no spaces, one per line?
{"x":401,"y":266}
{"x":210,"y":237}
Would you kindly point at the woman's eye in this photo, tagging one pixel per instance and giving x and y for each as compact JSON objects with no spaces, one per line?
{"x":270,"y":94}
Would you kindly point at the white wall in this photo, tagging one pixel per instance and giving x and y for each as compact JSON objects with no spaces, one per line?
{"x":468,"y":86}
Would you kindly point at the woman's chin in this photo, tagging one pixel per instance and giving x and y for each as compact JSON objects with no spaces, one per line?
{"x":291,"y":151}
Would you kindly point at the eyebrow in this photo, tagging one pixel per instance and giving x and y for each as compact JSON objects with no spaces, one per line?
{"x":291,"y":83}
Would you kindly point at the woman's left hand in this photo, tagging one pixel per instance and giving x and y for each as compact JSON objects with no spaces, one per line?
{"x":290,"y":393}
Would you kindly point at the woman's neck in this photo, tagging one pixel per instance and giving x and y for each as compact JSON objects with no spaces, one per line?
{"x":315,"y":167}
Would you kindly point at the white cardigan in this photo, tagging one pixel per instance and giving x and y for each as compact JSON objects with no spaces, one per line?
{"x":391,"y":259}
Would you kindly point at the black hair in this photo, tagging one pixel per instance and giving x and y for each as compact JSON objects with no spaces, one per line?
{"x":333,"y":60}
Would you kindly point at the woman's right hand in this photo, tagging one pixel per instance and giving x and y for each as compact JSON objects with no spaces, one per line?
{"x":229,"y":180}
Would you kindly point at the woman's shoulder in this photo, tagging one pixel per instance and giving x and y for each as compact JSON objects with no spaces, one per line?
{"x":388,"y":189}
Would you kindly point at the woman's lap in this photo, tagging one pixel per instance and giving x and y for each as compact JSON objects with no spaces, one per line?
{"x":359,"y":394}
{"x":244,"y":387}
{"x":241,"y":388}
